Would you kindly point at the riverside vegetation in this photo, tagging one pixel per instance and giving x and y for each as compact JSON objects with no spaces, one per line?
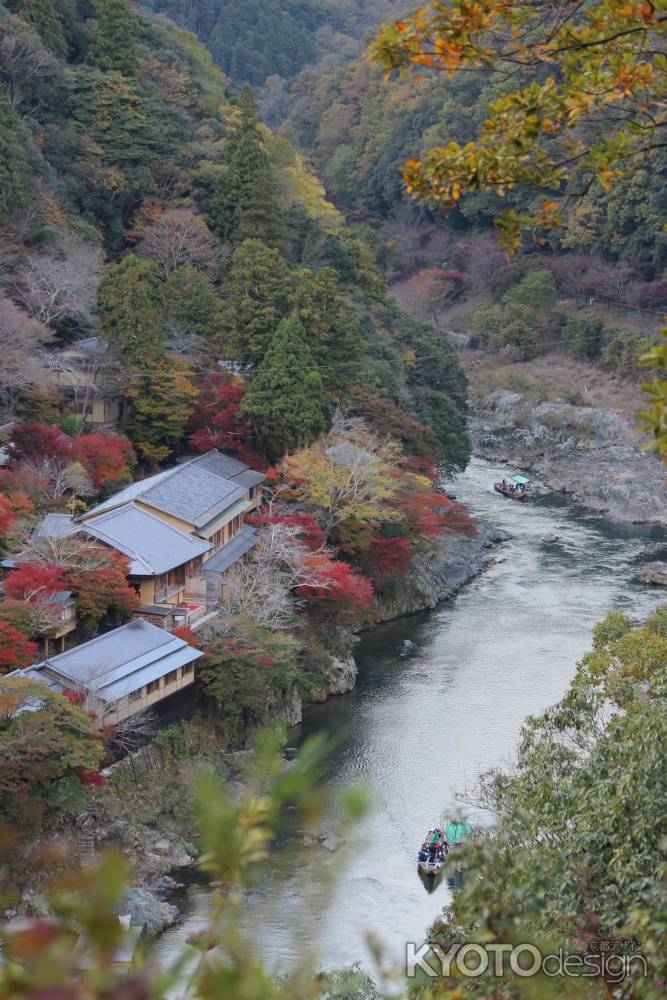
{"x":142,"y":200}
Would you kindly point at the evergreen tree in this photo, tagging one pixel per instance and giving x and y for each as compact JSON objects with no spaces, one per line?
{"x":15,"y":173}
{"x":44,"y":17}
{"x":242,"y":200}
{"x":115,"y":37}
{"x":191,"y":304}
{"x":258,"y":295}
{"x":162,"y":395}
{"x":286,"y":401}
{"x":130,"y":309}
{"x":331,"y":328}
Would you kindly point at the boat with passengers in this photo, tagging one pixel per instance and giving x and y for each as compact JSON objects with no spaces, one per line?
{"x":515,"y":488}
{"x":438,"y":843}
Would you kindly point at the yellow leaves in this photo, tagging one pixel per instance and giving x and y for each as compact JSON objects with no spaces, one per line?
{"x":409,"y":359}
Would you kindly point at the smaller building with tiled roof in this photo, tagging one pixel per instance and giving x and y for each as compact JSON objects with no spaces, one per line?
{"x":125,"y":670}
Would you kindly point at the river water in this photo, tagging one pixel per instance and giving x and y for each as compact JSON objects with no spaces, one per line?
{"x":416,"y":730}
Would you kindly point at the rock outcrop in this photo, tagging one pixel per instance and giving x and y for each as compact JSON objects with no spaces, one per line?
{"x":654,"y":574}
{"x":591,"y":453}
{"x":148,"y":911}
{"x":439,"y":575}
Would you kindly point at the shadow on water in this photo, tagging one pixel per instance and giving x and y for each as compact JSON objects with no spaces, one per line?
{"x":418,"y":729}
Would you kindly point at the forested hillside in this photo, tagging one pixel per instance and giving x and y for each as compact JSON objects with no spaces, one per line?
{"x":361,"y":131}
{"x":595,"y":285}
{"x":255,"y":39}
{"x":142,"y":199}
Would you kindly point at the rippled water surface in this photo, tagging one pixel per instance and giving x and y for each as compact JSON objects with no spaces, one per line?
{"x":416,"y":730}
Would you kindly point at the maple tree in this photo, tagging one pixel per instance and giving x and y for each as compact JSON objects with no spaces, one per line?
{"x":162,"y":394}
{"x":102,"y":591}
{"x":14,"y":508}
{"x":347,"y":474}
{"x":247,"y":668}
{"x":107,"y":458}
{"x":215,"y":421}
{"x":43,"y":751}
{"x":35,"y":441}
{"x":588,"y":103}
{"x":431,"y":289}
{"x":337,"y":591}
{"x":30,"y":602}
{"x":386,"y":559}
{"x":305,"y":525}
{"x":16,"y":650}
{"x":185,"y":633}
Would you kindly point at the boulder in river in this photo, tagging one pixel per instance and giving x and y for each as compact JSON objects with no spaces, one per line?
{"x":550,"y":539}
{"x":653,"y":552}
{"x":148,"y":911}
{"x":407,"y":648}
{"x":654,"y":574}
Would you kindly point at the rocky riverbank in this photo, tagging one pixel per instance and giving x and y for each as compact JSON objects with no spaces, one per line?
{"x":591,"y":453}
{"x":160,"y":839}
{"x":156,"y":855}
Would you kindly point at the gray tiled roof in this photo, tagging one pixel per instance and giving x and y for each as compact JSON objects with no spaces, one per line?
{"x":151,"y":545}
{"x":195,"y":494}
{"x":232,"y":551}
{"x":121,"y":661}
{"x":221,"y":465}
{"x":125,"y":495}
{"x":54,"y":526}
{"x":250,"y":478}
{"x":196,"y":491}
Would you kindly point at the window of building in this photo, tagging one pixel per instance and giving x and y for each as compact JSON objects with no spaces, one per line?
{"x":153,"y":686}
{"x":136,"y":695}
{"x":171,"y":677}
{"x":187,"y":669}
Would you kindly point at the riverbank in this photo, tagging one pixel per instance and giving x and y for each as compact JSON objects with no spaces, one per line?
{"x":145,"y":809}
{"x":167,"y":843}
{"x":416,"y":730}
{"x":593,"y":454}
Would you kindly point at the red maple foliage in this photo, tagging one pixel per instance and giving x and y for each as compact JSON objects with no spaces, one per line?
{"x":387,"y":559}
{"x":103,"y":590}
{"x":34,"y":581}
{"x":34,"y":441}
{"x":89,"y":778}
{"x":428,"y":513}
{"x":309,"y":531}
{"x":107,"y":458}
{"x":21,"y":479}
{"x":215,"y":421}
{"x":185,"y":633}
{"x":339,"y":592}
{"x":13,"y":507}
{"x":16,"y":650}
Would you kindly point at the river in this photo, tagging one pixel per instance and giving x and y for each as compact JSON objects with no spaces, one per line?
{"x":415,"y":730}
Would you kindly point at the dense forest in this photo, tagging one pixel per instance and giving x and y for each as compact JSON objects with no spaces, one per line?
{"x":117,"y":134}
{"x":206,"y":200}
{"x":252,"y":40}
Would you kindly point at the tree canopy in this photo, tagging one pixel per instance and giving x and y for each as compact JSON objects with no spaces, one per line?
{"x":582,"y":97}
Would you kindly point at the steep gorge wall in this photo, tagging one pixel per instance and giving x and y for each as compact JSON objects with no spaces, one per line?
{"x":591,"y":453}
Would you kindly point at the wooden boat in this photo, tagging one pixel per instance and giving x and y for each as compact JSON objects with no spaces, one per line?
{"x":516,"y":488}
{"x":427,"y":865}
{"x":431,"y":868}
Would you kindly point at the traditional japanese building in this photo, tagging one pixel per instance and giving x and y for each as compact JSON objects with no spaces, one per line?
{"x":123,"y":671}
{"x":182,"y":530}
